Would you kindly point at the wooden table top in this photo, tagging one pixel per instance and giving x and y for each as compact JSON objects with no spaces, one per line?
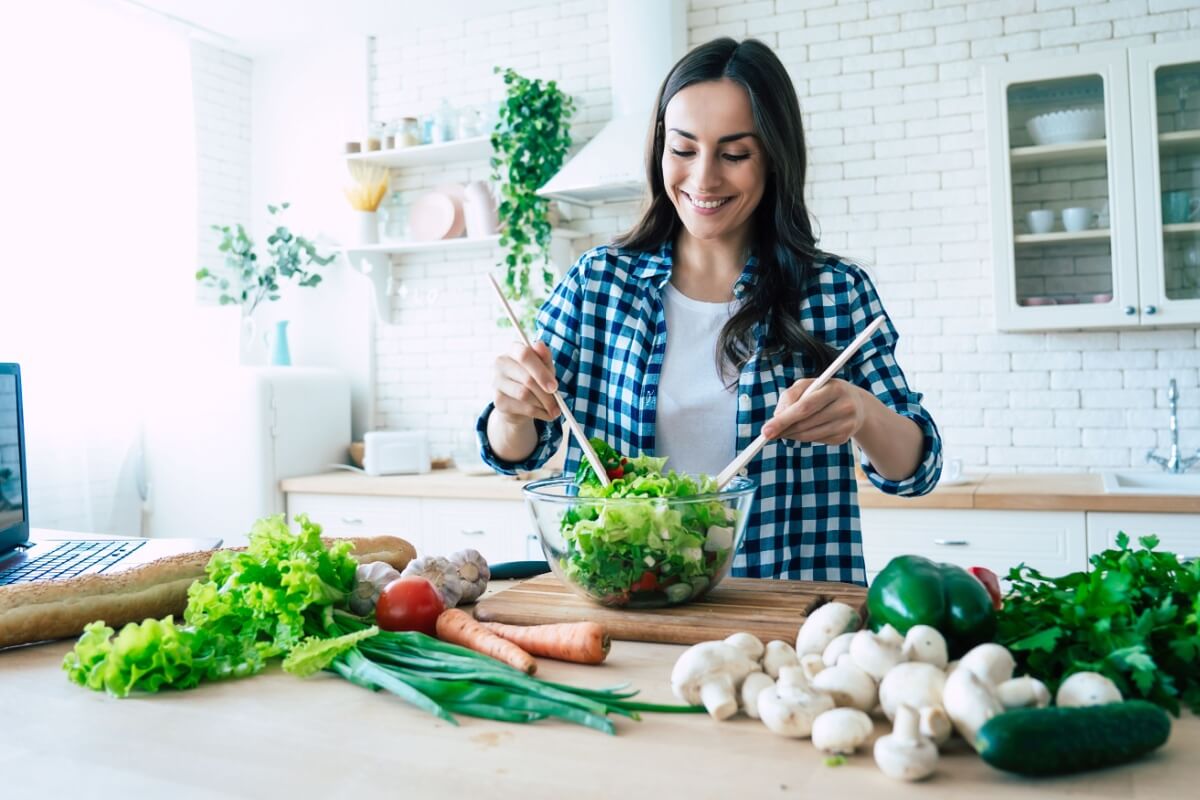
{"x":275,"y":735}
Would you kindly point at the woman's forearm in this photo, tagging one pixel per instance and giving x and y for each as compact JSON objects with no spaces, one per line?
{"x":893,"y":443}
{"x":513,"y":439}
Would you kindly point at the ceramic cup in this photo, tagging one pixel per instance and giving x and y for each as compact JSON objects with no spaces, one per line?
{"x":1179,"y":207}
{"x":1076,"y":219}
{"x":952,"y":470}
{"x":1040,"y":220}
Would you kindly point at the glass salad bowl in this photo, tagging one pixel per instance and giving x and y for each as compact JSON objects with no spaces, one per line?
{"x":639,"y":552}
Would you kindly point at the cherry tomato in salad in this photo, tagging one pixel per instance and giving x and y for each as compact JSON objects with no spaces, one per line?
{"x":647,"y":583}
{"x":409,"y":604}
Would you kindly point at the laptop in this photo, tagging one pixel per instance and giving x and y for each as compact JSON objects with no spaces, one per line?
{"x":42,"y":555}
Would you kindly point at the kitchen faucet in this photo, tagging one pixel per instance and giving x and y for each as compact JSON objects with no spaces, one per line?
{"x":1173,"y":464}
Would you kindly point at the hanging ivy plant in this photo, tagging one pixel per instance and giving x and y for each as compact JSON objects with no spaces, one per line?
{"x":529,"y":143}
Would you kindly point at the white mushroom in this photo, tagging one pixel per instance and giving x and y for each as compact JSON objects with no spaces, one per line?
{"x":710,"y":673}
{"x":876,"y":653}
{"x":778,"y":654}
{"x":969,"y":702}
{"x":841,"y":730}
{"x":1087,"y":689}
{"x":823,"y":626}
{"x":913,"y":683}
{"x":848,"y":685}
{"x":837,"y":648}
{"x":752,"y":687}
{"x":1023,"y":692}
{"x":904,"y":753}
{"x":935,"y":725}
{"x":748,"y":643}
{"x":992,"y":663}
{"x":925,"y":643}
{"x":788,"y":710}
{"x":812,"y":665}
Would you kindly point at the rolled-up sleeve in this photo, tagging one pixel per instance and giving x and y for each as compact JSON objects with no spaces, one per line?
{"x":558,"y":323}
{"x":874,"y":368}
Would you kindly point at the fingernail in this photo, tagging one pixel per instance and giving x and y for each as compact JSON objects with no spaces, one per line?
{"x":768,"y":431}
{"x":552,"y":386}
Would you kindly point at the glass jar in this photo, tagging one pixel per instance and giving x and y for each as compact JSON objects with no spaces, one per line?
{"x":444,"y":123}
{"x":395,"y":219}
{"x":376,"y":136}
{"x":408,"y":132}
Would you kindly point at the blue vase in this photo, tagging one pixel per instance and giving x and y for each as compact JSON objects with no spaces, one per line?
{"x":280,"y":355}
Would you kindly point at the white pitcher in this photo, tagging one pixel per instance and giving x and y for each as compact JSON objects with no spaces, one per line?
{"x":479,"y":208}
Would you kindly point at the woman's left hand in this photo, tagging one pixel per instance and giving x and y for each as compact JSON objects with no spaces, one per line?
{"x":831,"y":415}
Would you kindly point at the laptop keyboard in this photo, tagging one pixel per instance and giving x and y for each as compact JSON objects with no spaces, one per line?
{"x":69,"y":559}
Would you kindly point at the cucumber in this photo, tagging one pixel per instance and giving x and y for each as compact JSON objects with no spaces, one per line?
{"x":1059,"y":741}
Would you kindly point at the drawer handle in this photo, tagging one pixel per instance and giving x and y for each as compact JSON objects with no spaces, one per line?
{"x":951,"y":542}
{"x":476,"y":532}
{"x":352,"y":520}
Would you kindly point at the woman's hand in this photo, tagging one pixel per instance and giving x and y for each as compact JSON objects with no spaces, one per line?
{"x":525,"y":384}
{"x":831,"y":415}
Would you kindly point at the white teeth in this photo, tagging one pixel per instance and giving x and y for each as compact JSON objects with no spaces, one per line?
{"x":708,"y":204}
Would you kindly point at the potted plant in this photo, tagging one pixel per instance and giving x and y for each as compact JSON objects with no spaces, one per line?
{"x":529,"y":143}
{"x":248,"y":280}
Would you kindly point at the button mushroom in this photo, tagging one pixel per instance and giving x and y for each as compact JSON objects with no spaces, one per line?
{"x":925,"y":643}
{"x":913,"y":683}
{"x":969,"y":702}
{"x":752,"y":687}
{"x":837,"y":648}
{"x":812,"y":665}
{"x":876,"y":653}
{"x":935,"y":725}
{"x":841,"y":730}
{"x":778,"y":654}
{"x":748,"y":643}
{"x":904,"y":753}
{"x":1087,"y":689}
{"x":848,"y":685}
{"x":710,"y":673}
{"x":992,"y":663}
{"x":790,"y":707}
{"x":1023,"y":692}
{"x":823,"y":626}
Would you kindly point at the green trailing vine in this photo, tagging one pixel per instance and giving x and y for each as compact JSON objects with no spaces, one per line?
{"x":529,"y":143}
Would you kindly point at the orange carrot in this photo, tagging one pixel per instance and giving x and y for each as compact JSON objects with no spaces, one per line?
{"x":458,"y":627}
{"x":582,"y":642}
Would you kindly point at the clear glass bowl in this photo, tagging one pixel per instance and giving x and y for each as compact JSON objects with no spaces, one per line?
{"x":639,"y":552}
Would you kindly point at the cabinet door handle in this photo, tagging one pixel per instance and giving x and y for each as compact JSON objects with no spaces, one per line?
{"x":352,"y":520}
{"x":475,"y":532}
{"x":1151,"y":309}
{"x":1130,"y":311}
{"x":951,"y":542}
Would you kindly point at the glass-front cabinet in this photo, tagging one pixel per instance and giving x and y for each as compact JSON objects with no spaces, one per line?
{"x":1071,"y":154}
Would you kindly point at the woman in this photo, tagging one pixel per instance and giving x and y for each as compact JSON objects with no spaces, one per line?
{"x":703,"y":325}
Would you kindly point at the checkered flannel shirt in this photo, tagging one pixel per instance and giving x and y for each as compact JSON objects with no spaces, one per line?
{"x":605,"y":326}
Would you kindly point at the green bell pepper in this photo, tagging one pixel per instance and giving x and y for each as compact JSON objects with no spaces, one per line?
{"x":912,"y":590}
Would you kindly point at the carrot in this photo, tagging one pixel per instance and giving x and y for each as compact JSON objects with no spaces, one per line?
{"x":458,"y":627}
{"x":581,"y":642}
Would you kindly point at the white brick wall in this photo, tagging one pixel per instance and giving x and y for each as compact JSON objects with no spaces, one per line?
{"x":221,"y":95}
{"x":893,"y":104}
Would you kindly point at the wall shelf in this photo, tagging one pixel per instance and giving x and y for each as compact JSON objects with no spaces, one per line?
{"x":1074,"y":152}
{"x":1062,"y":237}
{"x":459,"y":243}
{"x":1179,"y":141}
{"x":475,"y":148}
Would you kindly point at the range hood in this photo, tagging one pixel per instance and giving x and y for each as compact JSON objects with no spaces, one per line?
{"x":645,"y":39}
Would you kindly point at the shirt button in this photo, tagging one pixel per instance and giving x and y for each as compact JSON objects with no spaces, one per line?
{"x":744,"y":402}
{"x":744,"y":472}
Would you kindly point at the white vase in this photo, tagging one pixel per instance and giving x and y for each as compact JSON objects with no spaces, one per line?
{"x":368,"y":227}
{"x":252,"y":342}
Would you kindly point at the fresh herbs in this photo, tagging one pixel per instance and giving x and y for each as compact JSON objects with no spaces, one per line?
{"x":1135,"y":617}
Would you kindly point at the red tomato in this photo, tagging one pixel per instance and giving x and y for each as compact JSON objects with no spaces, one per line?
{"x":647,"y":583}
{"x":409,"y":604}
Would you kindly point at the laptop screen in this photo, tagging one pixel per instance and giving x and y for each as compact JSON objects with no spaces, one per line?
{"x":14,"y":495}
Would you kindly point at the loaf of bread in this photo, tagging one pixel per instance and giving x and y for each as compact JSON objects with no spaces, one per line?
{"x":42,"y":610}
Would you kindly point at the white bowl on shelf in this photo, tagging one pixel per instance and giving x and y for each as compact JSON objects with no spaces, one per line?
{"x":1067,"y":125}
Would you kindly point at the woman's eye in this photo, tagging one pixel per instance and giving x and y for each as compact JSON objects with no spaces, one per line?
{"x":682,"y":152}
{"x":735,"y":158}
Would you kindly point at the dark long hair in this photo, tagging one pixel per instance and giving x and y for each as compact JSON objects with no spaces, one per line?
{"x":784,"y":243}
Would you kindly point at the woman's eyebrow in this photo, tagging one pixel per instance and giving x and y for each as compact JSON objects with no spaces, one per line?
{"x":730,"y":138}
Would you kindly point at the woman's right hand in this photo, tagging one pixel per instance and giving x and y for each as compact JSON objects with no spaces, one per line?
{"x":525,"y":384}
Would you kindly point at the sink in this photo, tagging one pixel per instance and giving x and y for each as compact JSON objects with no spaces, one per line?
{"x":1151,"y":483}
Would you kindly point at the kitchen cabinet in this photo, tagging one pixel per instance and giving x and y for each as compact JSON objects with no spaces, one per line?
{"x":1054,"y":542}
{"x":1178,"y":533}
{"x":499,"y":529}
{"x":1110,"y":134}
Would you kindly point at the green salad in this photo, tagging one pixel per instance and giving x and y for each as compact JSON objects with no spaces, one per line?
{"x":647,"y":551}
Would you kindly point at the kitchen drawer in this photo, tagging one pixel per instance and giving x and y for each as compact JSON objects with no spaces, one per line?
{"x":496,"y":528}
{"x":363,"y":515}
{"x":1054,"y":542}
{"x":1178,"y":533}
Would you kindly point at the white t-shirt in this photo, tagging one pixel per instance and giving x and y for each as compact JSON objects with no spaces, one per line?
{"x":696,"y":417}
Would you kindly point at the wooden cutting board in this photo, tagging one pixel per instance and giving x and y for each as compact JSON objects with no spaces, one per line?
{"x":768,"y":608}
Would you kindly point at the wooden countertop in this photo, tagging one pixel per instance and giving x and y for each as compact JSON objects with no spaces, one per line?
{"x":274,"y":735}
{"x":1029,"y":492}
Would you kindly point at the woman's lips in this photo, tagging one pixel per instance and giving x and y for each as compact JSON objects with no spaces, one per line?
{"x":706,"y":206}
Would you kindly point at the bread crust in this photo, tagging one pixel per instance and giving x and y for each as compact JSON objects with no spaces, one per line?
{"x":42,"y":610}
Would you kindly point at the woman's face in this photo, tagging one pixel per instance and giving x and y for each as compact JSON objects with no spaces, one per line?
{"x":714,"y":167}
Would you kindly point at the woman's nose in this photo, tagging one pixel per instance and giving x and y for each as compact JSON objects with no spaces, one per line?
{"x":708,"y":175}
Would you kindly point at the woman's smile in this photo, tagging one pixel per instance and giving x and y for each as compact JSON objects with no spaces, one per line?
{"x":706,"y":204}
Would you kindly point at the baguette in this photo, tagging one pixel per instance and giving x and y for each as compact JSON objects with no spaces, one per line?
{"x":42,"y":610}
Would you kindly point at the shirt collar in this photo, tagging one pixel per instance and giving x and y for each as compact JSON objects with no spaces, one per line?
{"x":656,"y":268}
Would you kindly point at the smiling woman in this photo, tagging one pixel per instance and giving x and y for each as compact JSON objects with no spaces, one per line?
{"x":703,"y":325}
{"x":100,"y":223}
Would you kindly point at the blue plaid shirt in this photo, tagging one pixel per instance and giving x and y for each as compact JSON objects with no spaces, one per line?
{"x":605,"y":326}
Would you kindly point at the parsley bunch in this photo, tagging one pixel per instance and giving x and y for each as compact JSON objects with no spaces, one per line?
{"x":1135,"y":617}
